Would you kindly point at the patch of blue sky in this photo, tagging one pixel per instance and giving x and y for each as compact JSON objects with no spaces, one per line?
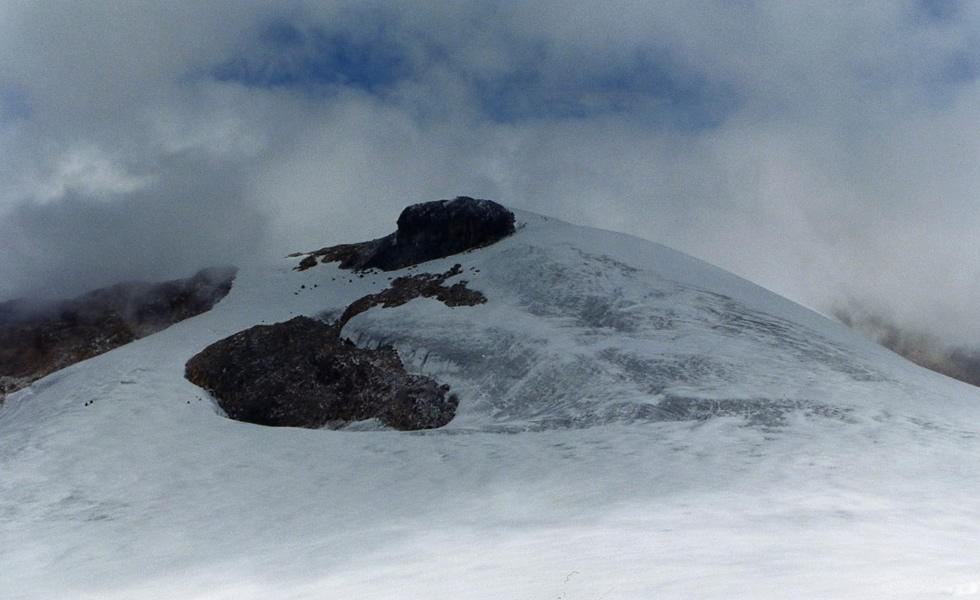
{"x":284,"y":55}
{"x":652,"y":91}
{"x":939,"y":86}
{"x":945,"y":69}
{"x":960,"y":67}
{"x":13,"y":104}
{"x":939,"y":10}
{"x":644,"y":91}
{"x":954,"y":63}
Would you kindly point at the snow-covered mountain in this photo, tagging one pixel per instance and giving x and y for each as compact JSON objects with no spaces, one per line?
{"x":632,"y":423}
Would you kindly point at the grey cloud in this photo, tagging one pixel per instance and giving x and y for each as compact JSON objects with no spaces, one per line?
{"x":828,"y":153}
{"x":184,"y":220}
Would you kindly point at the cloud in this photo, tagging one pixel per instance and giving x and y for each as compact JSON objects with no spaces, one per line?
{"x":180,"y":221}
{"x":826,"y":152}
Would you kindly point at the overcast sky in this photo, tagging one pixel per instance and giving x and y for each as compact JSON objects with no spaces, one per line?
{"x":826,"y":150}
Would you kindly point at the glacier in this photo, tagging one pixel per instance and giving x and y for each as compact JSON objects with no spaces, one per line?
{"x":633,"y":423}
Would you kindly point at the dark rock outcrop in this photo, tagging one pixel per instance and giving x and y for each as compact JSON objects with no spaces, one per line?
{"x":36,"y":340}
{"x":442,"y":228}
{"x":302,"y":374}
{"x":425,"y":232}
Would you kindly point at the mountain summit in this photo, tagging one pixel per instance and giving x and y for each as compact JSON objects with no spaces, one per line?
{"x":425,"y":232}
{"x":628,"y":422}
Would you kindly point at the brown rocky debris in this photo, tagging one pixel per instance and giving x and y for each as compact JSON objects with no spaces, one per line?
{"x":422,"y":285}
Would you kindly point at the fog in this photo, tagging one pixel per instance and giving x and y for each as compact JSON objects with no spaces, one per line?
{"x":828,"y":153}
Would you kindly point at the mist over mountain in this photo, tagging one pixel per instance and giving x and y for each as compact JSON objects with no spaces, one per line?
{"x":921,"y":347}
{"x":39,"y":338}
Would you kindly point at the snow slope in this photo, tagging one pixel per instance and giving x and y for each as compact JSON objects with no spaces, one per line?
{"x":633,"y":424}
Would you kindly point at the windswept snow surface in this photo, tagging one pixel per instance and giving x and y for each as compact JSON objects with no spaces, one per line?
{"x":633,"y":424}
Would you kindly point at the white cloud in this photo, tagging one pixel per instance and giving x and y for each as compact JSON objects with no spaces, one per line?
{"x":88,"y":171}
{"x":827,"y":152}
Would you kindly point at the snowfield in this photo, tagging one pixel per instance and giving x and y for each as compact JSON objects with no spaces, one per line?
{"x":633,"y":424}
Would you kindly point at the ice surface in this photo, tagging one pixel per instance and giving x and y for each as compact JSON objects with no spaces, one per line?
{"x":633,"y":424}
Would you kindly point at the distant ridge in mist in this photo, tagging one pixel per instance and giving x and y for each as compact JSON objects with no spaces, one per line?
{"x":924,"y":349}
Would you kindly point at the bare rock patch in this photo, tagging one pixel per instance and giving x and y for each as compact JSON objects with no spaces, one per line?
{"x":301,"y":373}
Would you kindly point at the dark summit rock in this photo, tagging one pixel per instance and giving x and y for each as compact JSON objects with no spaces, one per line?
{"x":426,"y":232}
{"x":442,"y":228}
{"x":300,"y":373}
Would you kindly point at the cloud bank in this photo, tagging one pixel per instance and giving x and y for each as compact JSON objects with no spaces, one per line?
{"x":828,"y":152}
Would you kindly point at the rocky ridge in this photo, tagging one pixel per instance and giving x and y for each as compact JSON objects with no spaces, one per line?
{"x":304,"y":373}
{"x":39,"y":339}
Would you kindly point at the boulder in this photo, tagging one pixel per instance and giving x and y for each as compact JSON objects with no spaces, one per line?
{"x":301,"y":373}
